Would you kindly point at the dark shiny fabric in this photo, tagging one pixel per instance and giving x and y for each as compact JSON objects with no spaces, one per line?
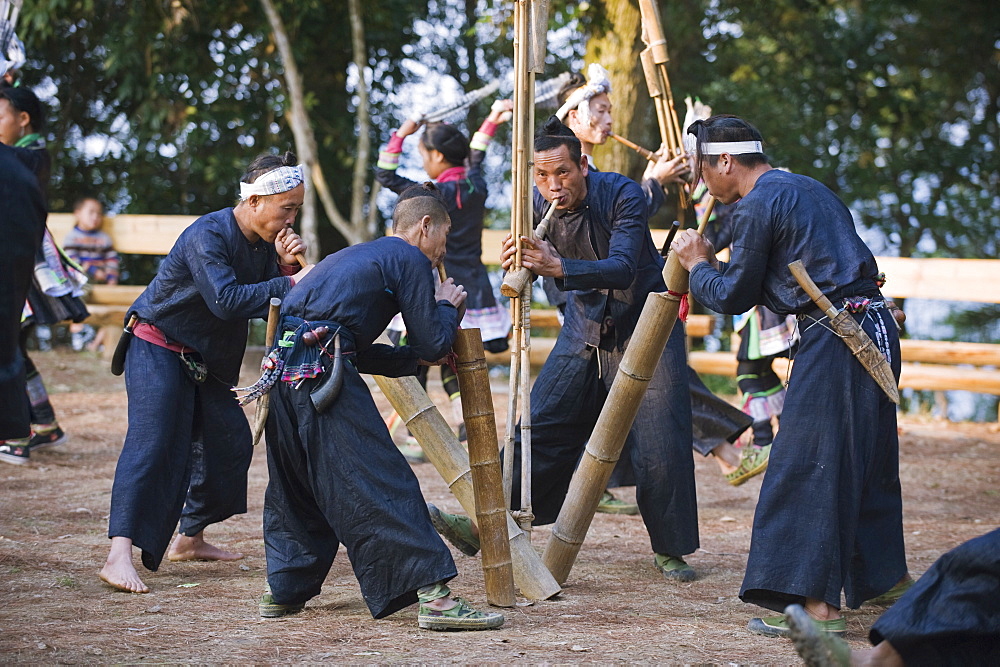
{"x":184,"y":440}
{"x":22,"y":220}
{"x":209,"y":286}
{"x":463,"y":263}
{"x":336,"y":477}
{"x":605,"y":298}
{"x":951,"y":616}
{"x":837,"y":448}
{"x":785,"y":217}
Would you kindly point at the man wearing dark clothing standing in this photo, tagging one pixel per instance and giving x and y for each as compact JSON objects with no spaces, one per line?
{"x":188,"y":446}
{"x":599,"y":251}
{"x":335,"y":476}
{"x":829,"y":517}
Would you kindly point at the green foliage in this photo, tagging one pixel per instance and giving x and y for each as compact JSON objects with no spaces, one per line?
{"x":889,"y":103}
{"x":157,"y":106}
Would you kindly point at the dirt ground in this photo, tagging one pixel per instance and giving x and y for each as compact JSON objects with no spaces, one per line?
{"x":614,"y":608}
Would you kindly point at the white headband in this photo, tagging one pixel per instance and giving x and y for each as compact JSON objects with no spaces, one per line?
{"x":731,"y":147}
{"x":273,"y":182}
{"x":597,"y":82}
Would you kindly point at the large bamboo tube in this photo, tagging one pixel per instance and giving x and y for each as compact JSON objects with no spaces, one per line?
{"x":484,"y":459}
{"x":449,"y":458}
{"x":635,"y":371}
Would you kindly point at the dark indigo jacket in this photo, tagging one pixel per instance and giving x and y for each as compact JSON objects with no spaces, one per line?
{"x":362,"y":287}
{"x":607,"y":293}
{"x":786,"y":217}
{"x":209,"y":286}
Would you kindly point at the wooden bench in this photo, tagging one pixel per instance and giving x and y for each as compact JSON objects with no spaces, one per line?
{"x":927,"y":364}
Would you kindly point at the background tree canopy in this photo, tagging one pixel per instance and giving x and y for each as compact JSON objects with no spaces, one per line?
{"x":158,"y":105}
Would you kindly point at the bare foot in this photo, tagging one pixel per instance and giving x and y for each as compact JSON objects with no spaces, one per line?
{"x":196,"y":548}
{"x":118,"y":572}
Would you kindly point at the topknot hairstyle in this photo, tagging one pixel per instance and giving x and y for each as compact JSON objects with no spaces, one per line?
{"x":554,"y":134}
{"x":268,"y":162}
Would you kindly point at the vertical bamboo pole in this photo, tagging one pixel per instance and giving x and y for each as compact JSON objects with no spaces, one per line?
{"x":605,"y":445}
{"x":449,"y":458}
{"x":484,"y":459}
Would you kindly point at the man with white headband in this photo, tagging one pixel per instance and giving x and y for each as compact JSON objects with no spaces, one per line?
{"x":829,"y":517}
{"x":188,"y":446}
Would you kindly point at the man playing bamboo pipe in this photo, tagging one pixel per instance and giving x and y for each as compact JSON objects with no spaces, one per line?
{"x":837,"y":451}
{"x":601,"y":253}
{"x":335,"y":476}
{"x":587,"y":110}
{"x":188,"y":443}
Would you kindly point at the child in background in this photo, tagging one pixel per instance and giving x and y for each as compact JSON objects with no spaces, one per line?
{"x":93,"y":250}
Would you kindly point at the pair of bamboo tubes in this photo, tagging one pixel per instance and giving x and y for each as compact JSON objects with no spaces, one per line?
{"x":641,"y":358}
{"x":530,"y":25}
{"x":449,"y":458}
{"x":654,"y":59}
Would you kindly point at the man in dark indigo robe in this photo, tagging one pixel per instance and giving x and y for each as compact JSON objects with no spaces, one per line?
{"x":586,"y":109}
{"x":599,"y":251}
{"x":335,"y":476}
{"x":829,"y":517}
{"x":23,"y":223}
{"x":187,"y":436}
{"x":951,"y":616}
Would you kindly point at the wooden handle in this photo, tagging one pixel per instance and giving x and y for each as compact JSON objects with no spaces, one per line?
{"x":272,"y":321}
{"x":798,"y":270}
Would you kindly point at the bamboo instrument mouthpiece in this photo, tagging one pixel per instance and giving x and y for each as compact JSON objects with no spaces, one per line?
{"x":515,"y":281}
{"x":301,"y":259}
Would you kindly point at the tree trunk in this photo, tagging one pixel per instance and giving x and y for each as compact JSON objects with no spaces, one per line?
{"x":305,"y":145}
{"x":361,"y":166}
{"x":616,"y":46}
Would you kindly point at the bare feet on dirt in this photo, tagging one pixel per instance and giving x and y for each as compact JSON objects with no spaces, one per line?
{"x":119,"y":572}
{"x":195,"y":547}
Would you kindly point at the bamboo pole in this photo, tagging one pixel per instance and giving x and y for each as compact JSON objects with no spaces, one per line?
{"x":516,"y":280}
{"x":484,"y":459}
{"x":659,"y":314}
{"x":654,"y":59}
{"x":449,"y":458}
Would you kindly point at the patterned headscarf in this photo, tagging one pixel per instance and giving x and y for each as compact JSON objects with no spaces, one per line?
{"x":274,"y":182}
{"x":597,"y":83}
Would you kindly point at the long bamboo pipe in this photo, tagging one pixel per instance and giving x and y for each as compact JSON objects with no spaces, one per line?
{"x":645,"y":152}
{"x":442,"y":448}
{"x":484,"y":459}
{"x":635,"y":371}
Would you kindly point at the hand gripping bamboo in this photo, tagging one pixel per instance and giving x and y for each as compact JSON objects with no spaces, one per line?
{"x":264,"y":404}
{"x":484,"y":459}
{"x":517,"y":279}
{"x":842,"y":322}
{"x":636,"y":369}
{"x":449,"y":458}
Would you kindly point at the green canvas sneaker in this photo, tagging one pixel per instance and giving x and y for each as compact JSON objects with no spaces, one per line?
{"x":777,"y":626}
{"x":673,"y":568}
{"x":611,"y":505}
{"x":459,"y":617}
{"x":271,"y":609}
{"x":456,"y":529}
